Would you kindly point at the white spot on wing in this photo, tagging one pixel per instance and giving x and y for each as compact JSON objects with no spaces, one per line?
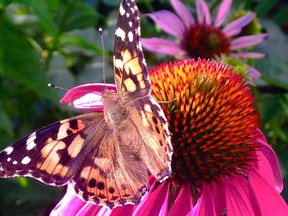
{"x":130,"y":36}
{"x":121,"y":10}
{"x":15,"y":162}
{"x":26,"y":160}
{"x":120,"y":33}
{"x":8,"y":150}
{"x":30,"y":141}
{"x":8,"y":159}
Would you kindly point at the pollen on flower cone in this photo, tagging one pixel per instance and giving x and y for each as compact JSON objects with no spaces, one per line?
{"x":211,"y":117}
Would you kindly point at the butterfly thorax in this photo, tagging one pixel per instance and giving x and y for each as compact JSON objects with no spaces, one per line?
{"x":114,"y":112}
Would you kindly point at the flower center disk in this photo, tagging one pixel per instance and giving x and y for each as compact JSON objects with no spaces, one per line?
{"x":211,"y":118}
{"x":205,"y":41}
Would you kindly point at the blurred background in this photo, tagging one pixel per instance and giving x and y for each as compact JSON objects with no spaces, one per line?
{"x":53,"y":41}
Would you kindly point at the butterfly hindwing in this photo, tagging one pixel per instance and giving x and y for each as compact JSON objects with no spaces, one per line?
{"x":153,"y":130}
{"x":110,"y":179}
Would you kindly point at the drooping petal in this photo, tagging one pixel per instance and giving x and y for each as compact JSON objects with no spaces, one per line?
{"x":272,"y":163}
{"x":183,"y":203}
{"x":218,"y":192}
{"x":252,"y":55}
{"x":238,"y":197}
{"x":253,"y":73}
{"x":203,"y":12}
{"x":70,"y":203}
{"x":156,"y":203}
{"x":123,"y":210}
{"x":91,"y":209}
{"x":168,"y":22}
{"x":162,"y":46}
{"x":247,"y":41}
{"x":223,"y":12}
{"x":236,"y":26}
{"x":87,"y":97}
{"x":269,"y":200}
{"x":183,"y":12}
{"x":205,"y":205}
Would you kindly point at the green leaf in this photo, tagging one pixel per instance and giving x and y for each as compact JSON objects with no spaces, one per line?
{"x":83,"y":16}
{"x":5,"y":123}
{"x":67,"y":40}
{"x":280,"y":17}
{"x":265,"y":6}
{"x":111,"y":3}
{"x":41,"y":9}
{"x":19,"y":61}
{"x":274,"y":66}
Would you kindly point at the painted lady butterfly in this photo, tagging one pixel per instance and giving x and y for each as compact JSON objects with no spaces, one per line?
{"x":106,"y":156}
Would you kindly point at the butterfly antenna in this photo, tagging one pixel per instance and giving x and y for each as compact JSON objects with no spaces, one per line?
{"x":51,"y":85}
{"x":103,"y":56}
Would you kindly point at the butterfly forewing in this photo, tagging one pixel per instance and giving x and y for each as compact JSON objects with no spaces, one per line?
{"x":131,"y":74}
{"x":51,"y":154}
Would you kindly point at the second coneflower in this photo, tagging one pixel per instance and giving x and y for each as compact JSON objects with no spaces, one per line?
{"x":204,"y":37}
{"x":222,"y":164}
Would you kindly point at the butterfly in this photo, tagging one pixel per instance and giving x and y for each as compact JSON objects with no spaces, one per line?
{"x":106,"y":155}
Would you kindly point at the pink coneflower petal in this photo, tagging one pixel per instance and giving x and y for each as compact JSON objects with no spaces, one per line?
{"x":238,"y":199}
{"x":183,"y":203}
{"x":75,"y":203}
{"x":203,"y":12}
{"x":270,"y":200}
{"x":91,"y":209}
{"x":253,"y":73}
{"x":156,"y":203}
{"x":272,"y":161}
{"x":236,"y":26}
{"x":123,"y":210}
{"x":168,"y":22}
{"x":205,"y":205}
{"x":223,"y":12}
{"x":183,"y":12}
{"x":87,"y":97}
{"x":253,"y":55}
{"x":247,"y":41}
{"x":162,"y":46}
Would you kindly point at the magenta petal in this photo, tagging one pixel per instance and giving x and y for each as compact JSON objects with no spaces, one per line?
{"x":162,"y":46}
{"x":203,"y":12}
{"x":206,"y":204}
{"x":87,"y":97}
{"x":223,"y":12}
{"x":252,"y":55}
{"x":271,"y":167}
{"x":156,"y":203}
{"x":269,"y":200}
{"x":247,"y":41}
{"x":183,"y":12}
{"x":168,"y":22}
{"x":238,"y":198}
{"x":123,"y":210}
{"x":91,"y":209}
{"x":236,"y":26}
{"x":183,"y":203}
{"x":70,"y":204}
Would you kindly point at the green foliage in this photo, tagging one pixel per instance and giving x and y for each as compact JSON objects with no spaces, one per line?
{"x":58,"y":41}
